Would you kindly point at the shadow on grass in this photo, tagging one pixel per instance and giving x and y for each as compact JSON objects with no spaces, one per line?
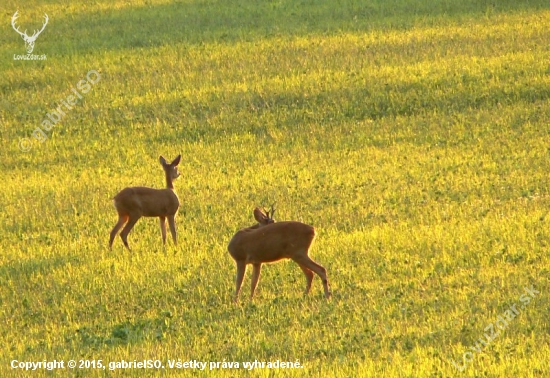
{"x":357,"y":104}
{"x":128,"y":332}
{"x":228,"y":21}
{"x":22,"y":270}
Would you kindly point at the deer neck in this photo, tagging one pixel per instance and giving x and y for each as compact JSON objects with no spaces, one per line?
{"x":258,"y":225}
{"x":169,"y":184}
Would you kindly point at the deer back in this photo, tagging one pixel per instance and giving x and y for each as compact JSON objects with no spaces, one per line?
{"x":272,"y":242}
{"x":148,"y":202}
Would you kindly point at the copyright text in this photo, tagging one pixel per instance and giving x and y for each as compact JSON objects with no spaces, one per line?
{"x":154,"y":364}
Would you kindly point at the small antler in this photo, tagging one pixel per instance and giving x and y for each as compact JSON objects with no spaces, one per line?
{"x":269,"y":214}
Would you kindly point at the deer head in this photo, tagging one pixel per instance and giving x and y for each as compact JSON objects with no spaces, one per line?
{"x":263,"y":216}
{"x":29,"y":40}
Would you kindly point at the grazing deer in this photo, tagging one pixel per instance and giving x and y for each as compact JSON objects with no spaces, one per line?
{"x":268,"y":241}
{"x":136,"y":202}
{"x":29,"y":40}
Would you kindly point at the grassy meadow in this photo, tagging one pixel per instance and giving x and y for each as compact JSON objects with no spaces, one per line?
{"x":413,"y":135}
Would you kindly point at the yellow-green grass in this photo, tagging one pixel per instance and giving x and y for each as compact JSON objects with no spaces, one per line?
{"x":413,"y":135}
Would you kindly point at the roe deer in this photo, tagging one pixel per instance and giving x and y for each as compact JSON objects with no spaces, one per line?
{"x":269,"y":241}
{"x":136,"y":202}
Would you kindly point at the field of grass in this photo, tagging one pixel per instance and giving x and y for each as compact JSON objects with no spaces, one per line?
{"x":413,"y":135}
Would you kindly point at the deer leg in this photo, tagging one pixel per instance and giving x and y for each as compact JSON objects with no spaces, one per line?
{"x":126,"y":230}
{"x":172,"y":224}
{"x":309,"y":277}
{"x":255,"y":277}
{"x":121,"y":220}
{"x":241,"y":269}
{"x":312,"y":265}
{"x":163,"y":229}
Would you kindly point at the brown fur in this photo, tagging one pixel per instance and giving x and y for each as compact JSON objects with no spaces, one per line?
{"x":136,"y":202}
{"x":267,"y":242}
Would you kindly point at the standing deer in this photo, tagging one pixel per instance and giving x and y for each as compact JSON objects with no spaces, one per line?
{"x":136,"y":202}
{"x":268,"y":241}
{"x":29,"y":40}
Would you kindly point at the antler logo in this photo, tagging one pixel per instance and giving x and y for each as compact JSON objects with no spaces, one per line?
{"x":29,"y":40}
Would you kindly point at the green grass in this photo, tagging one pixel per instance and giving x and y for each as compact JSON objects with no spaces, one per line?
{"x":413,"y":135}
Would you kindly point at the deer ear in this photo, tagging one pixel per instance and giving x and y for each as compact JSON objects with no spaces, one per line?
{"x":259,"y":215}
{"x":162,"y":160}
{"x":176,"y":160}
